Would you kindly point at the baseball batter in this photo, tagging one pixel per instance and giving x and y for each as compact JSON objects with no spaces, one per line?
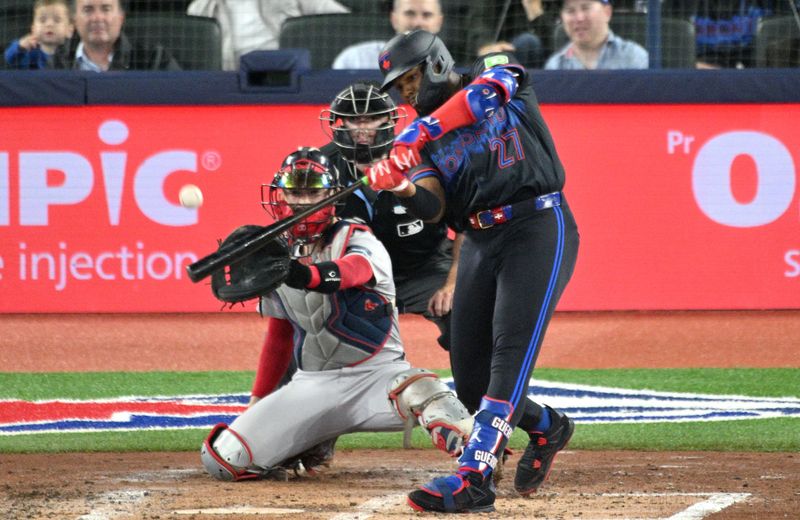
{"x":485,"y":159}
{"x":335,"y":314}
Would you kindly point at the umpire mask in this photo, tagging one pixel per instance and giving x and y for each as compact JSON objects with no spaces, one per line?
{"x":361,"y":122}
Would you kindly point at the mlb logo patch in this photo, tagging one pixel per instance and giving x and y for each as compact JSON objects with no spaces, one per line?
{"x":407,"y":229}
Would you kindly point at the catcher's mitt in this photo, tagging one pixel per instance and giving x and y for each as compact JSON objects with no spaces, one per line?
{"x":255,"y":275}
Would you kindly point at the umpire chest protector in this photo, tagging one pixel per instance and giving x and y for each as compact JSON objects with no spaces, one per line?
{"x":350,"y":326}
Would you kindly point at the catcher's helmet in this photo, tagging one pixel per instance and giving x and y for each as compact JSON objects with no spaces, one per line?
{"x":310,"y":172}
{"x":361,"y":99}
{"x":419,"y":47}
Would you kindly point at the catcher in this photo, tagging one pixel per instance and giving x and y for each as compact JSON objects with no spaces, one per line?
{"x":331,"y":307}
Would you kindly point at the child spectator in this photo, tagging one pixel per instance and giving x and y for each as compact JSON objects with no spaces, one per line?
{"x":51,"y":28}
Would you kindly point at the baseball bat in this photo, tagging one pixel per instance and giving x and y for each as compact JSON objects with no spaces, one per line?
{"x":502,"y":20}
{"x":236,"y":251}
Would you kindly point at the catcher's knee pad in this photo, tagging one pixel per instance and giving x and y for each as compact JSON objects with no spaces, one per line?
{"x":420,"y":394}
{"x":225,"y":455}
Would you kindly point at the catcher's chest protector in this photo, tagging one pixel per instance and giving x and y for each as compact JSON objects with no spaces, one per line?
{"x":350,"y":326}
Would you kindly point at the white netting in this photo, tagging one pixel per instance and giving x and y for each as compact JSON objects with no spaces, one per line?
{"x":690,"y":33}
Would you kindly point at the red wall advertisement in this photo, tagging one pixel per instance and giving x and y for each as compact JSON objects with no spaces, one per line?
{"x":678,"y":206}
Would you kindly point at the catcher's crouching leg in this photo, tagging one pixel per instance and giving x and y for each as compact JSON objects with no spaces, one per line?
{"x":226,"y":456}
{"x":420,"y":394}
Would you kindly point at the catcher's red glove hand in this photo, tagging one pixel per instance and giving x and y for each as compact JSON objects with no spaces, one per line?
{"x":389,"y":174}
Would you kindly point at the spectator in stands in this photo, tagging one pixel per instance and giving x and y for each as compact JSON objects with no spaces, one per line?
{"x":783,"y":52}
{"x":406,"y":15}
{"x":102,"y":45}
{"x":50,"y":29}
{"x":725,"y":29}
{"x":592,"y":44}
{"x":526,"y":29}
{"x":250,"y":25}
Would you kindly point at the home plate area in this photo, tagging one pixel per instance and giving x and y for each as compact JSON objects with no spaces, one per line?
{"x":372,"y":484}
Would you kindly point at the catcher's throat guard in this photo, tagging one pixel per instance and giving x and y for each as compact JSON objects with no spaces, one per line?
{"x":420,"y":396}
{"x":255,"y":275}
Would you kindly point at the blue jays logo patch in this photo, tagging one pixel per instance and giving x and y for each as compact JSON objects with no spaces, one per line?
{"x":585,"y":404}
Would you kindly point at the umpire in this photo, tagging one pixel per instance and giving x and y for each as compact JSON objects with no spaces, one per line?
{"x":361,"y":123}
{"x":483,"y":158}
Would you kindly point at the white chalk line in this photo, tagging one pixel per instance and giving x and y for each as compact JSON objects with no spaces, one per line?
{"x":116,"y":503}
{"x":372,"y":506}
{"x":239,"y":510}
{"x":715,"y":503}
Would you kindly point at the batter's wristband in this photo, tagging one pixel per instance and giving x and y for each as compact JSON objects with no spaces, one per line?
{"x":330,"y":278}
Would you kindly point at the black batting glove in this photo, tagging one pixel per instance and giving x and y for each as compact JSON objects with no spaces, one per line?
{"x":299,"y":275}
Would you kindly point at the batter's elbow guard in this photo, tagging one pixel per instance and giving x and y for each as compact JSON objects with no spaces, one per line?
{"x":504,"y":81}
{"x":419,"y":395}
{"x":482,"y":100}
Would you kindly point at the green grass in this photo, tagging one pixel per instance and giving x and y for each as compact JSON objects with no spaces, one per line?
{"x":768,"y":382}
{"x":88,"y":385}
{"x":781,"y":434}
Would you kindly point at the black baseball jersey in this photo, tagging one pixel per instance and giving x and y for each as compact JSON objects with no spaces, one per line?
{"x":507,"y":158}
{"x":411,"y":242}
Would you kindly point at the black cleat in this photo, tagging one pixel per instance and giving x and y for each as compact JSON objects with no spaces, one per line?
{"x":318,"y":457}
{"x":535,"y":463}
{"x":454,"y":494}
{"x":312,"y":461}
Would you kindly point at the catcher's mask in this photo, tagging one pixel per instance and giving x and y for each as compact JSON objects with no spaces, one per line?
{"x":419,"y":48}
{"x":305,"y":178}
{"x":361,"y":121}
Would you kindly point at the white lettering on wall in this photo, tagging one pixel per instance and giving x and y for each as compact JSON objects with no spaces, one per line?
{"x":113,"y":133}
{"x":5,"y":194}
{"x":36,"y":197}
{"x":711,"y":176}
{"x":148,"y":187}
{"x":792,"y":258}
{"x":37,"y":193}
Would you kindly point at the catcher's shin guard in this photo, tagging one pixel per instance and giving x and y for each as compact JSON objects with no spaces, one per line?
{"x":420,"y":394}
{"x":225,"y":455}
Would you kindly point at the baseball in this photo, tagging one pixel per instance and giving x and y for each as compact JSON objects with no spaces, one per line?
{"x":191,"y":196}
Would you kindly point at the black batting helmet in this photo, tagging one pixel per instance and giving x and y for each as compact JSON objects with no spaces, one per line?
{"x":361,"y":99}
{"x":419,"y":47}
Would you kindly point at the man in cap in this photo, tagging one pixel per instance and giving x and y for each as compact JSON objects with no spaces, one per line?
{"x":592,"y":43}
